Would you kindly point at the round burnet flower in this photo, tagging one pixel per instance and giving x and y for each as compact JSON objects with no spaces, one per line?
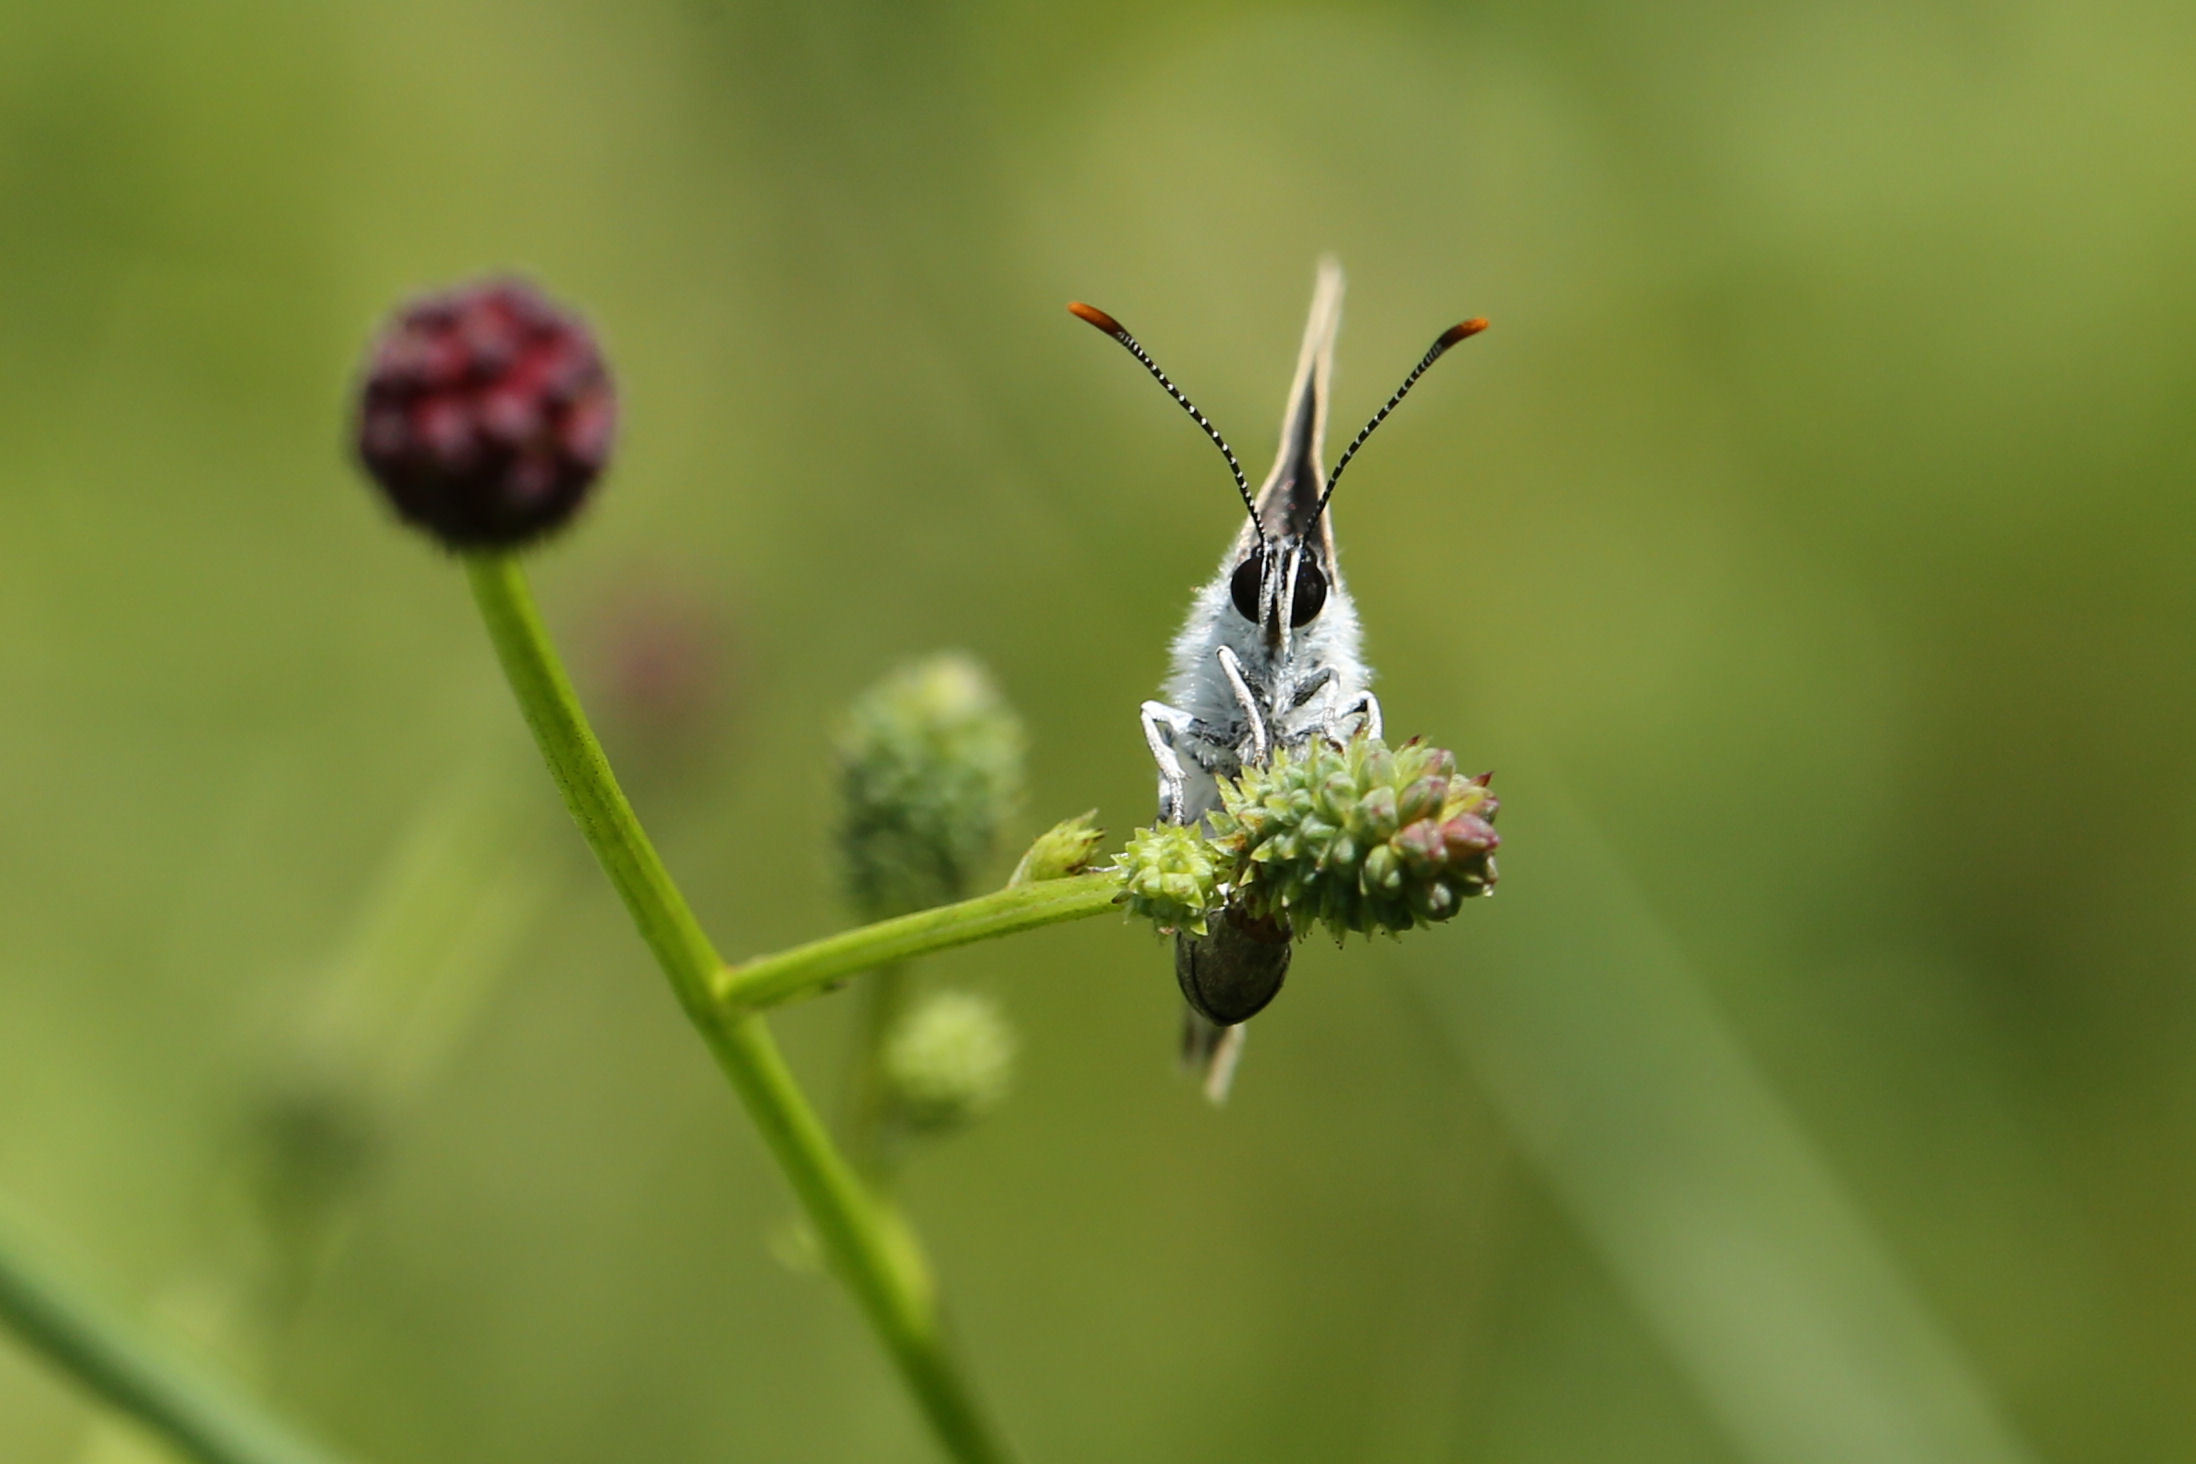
{"x":930,"y":764}
{"x":949,"y":1061}
{"x":485,"y":414}
{"x":1358,"y":836}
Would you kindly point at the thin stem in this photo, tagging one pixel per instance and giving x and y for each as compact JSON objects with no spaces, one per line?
{"x":884,"y":993}
{"x":104,"y":1351}
{"x":872,"y":1251}
{"x":766,"y":981}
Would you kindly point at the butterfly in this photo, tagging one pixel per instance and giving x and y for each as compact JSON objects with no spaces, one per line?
{"x":1270,"y":657}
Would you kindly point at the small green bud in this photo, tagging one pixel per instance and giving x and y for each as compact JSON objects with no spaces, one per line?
{"x":1171,"y":875}
{"x":1423,"y":799}
{"x":949,"y":1061}
{"x":930,"y":763}
{"x":1068,"y":847}
{"x":1359,"y":837}
{"x":318,"y":1130}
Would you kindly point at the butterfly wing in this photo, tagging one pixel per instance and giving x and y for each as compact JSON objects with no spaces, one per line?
{"x":1290,"y":494}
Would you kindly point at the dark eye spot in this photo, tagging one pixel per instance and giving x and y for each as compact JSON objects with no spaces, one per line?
{"x":1243,"y":587}
{"x":1311,"y":593}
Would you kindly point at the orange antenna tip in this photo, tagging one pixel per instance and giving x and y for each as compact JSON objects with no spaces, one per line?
{"x":1095,"y":316}
{"x":1460,"y":330}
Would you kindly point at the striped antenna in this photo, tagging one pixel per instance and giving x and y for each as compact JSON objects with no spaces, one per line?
{"x":1092,"y":315}
{"x":1434,"y":353}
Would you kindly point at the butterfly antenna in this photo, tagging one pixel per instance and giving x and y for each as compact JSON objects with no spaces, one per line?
{"x":1094,"y":316}
{"x":1434,"y":353}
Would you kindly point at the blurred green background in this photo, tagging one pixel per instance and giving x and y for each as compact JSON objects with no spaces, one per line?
{"x":1807,"y":546}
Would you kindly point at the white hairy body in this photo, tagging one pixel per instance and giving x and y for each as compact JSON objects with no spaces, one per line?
{"x":1318,"y":681}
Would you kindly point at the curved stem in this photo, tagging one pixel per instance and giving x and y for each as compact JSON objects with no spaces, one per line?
{"x":871,"y":1250}
{"x":805,"y":970}
{"x":109,"y":1355}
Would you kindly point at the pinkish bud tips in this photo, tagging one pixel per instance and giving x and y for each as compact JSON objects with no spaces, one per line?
{"x":1422,"y":799}
{"x":1356,"y":836}
{"x":486,"y":413}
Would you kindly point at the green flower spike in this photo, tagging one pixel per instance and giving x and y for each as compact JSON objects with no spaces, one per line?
{"x":1171,"y":875}
{"x":1358,"y":837}
{"x":949,"y":1061}
{"x":930,"y":763}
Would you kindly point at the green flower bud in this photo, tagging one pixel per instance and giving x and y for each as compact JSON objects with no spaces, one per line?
{"x":930,"y":763}
{"x":318,"y":1130}
{"x":949,"y":1061}
{"x":1171,"y":875}
{"x":1068,"y":847}
{"x":1359,"y":837}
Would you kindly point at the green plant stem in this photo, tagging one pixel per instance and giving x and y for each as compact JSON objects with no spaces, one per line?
{"x":872,"y":1251}
{"x":201,"y":1415}
{"x":884,"y":994}
{"x":804,"y":970}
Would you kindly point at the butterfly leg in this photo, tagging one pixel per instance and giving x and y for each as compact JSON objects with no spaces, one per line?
{"x":1161,"y":724}
{"x":1312,"y":685}
{"x":1252,"y":717}
{"x":1364,"y":705}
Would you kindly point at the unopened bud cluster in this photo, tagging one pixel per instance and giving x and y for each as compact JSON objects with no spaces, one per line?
{"x":1359,"y":837}
{"x":1356,"y":837}
{"x":486,"y":414}
{"x":1068,"y":847}
{"x":949,"y":1061}
{"x":930,"y":763}
{"x":1172,"y":877}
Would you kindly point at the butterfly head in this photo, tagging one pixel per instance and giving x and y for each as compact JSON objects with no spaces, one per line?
{"x":1280,"y":586}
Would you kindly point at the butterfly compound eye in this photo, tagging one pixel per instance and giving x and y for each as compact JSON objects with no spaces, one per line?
{"x":1311,"y":594}
{"x":1243,"y":587}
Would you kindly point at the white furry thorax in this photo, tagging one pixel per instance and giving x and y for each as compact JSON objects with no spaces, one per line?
{"x":1195,"y":683}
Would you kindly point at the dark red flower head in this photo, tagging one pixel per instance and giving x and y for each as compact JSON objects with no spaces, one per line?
{"x":487,"y":412}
